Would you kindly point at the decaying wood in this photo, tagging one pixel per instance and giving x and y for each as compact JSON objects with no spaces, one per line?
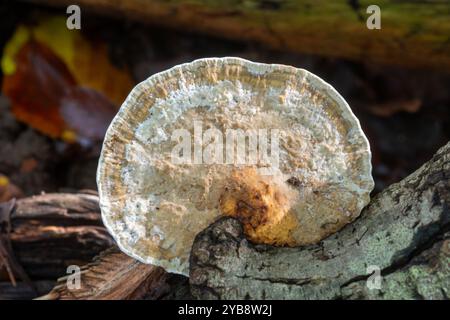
{"x":41,"y":236}
{"x":8,"y":259}
{"x":49,"y":232}
{"x":114,"y":275}
{"x":413,"y":33}
{"x":22,"y":291}
{"x":404,"y":232}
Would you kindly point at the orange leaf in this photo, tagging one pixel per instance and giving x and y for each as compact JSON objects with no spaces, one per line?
{"x":37,"y":86}
{"x":45,"y":64}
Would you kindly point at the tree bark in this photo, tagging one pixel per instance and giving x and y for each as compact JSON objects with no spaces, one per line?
{"x":49,"y":232}
{"x":413,"y":33}
{"x":116,"y":276}
{"x":22,"y":291}
{"x":52,"y":231}
{"x":41,"y":236}
{"x":404,"y":233}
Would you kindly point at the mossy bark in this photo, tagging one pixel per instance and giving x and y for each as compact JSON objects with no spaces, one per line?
{"x":404,"y":232}
{"x":413,"y":33}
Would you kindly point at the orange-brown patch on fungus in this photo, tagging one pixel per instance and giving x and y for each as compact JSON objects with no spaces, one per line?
{"x":261,"y":205}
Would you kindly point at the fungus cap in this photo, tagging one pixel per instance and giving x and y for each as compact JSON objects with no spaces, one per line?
{"x":314,"y":177}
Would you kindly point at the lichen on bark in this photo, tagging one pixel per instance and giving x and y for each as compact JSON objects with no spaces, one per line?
{"x":404,"y":231}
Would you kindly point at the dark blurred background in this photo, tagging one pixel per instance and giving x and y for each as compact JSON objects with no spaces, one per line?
{"x":403,"y":110}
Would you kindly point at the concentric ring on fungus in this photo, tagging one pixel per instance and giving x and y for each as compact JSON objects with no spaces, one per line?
{"x":320,"y":176}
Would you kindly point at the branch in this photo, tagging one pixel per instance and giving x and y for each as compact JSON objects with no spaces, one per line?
{"x":115,"y":276}
{"x":49,"y":232}
{"x":52,"y":231}
{"x":406,"y":36}
{"x":404,"y":232}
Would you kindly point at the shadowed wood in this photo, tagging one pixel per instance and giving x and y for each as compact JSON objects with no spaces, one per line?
{"x":112,"y":275}
{"x":413,"y":33}
{"x":69,"y":224}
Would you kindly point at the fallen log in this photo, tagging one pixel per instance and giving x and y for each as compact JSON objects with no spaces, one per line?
{"x":41,"y":236}
{"x":404,"y":234}
{"x":22,"y":291}
{"x":115,"y":276}
{"x":50,"y":232}
{"x":413,"y":33}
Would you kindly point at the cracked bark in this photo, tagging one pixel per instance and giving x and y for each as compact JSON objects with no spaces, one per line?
{"x":70,"y":226}
{"x":115,"y":276}
{"x":47,"y":233}
{"x":404,"y":232}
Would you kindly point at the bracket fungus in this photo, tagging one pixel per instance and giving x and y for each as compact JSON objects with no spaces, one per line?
{"x":271,"y":145}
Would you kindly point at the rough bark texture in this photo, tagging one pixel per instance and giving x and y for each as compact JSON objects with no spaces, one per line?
{"x":49,"y":232}
{"x":41,"y":236}
{"x":413,"y":33}
{"x":52,"y":231}
{"x":404,"y":232}
{"x":114,"y":275}
{"x":22,"y":291}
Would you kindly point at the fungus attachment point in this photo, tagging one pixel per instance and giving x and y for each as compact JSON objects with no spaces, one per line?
{"x":273,"y":146}
{"x":261,"y":205}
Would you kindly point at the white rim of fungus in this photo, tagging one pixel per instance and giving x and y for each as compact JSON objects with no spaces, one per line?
{"x":255,"y":68}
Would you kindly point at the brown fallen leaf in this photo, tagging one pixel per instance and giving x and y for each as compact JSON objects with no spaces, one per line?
{"x":88,"y":113}
{"x":36,"y":88}
{"x":61,"y":83}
